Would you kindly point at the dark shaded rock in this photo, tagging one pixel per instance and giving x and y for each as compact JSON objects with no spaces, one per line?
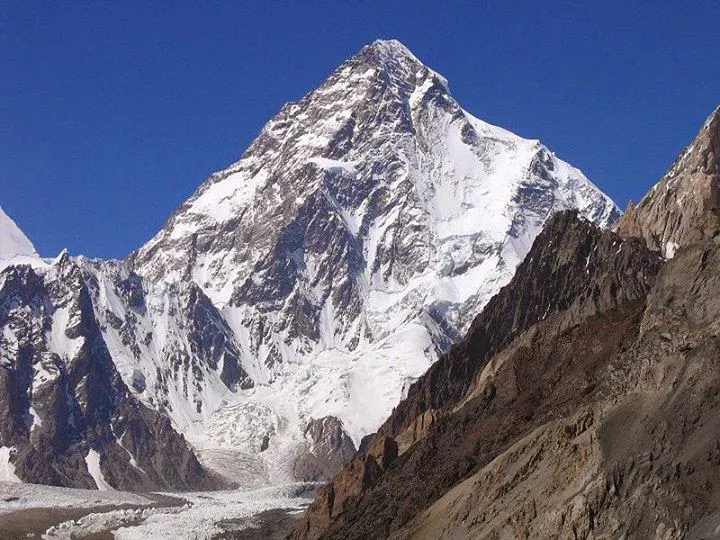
{"x":329,"y":449}
{"x":365,"y":443}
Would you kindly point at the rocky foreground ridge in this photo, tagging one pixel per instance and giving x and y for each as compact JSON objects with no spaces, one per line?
{"x":584,"y":401}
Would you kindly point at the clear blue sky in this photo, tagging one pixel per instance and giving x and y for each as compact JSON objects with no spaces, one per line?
{"x":111,"y":113}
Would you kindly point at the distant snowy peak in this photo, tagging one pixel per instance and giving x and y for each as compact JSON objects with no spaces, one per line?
{"x":13,"y":242}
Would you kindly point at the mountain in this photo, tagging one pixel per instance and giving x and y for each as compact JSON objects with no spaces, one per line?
{"x":13,"y":242}
{"x":350,"y":245}
{"x":583,"y":401}
{"x":66,"y":416}
{"x":288,"y":305}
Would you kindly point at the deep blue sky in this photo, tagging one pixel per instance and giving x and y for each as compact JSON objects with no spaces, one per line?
{"x":111,"y":113}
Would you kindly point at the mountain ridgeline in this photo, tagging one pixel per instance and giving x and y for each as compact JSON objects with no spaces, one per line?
{"x":583,"y":401}
{"x":294,"y":299}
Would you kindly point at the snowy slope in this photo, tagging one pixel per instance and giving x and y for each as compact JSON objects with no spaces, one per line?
{"x":14,"y":245}
{"x":353,"y":241}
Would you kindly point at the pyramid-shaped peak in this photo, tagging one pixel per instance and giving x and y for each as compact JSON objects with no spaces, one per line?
{"x":395,"y":61}
{"x":387,"y":54}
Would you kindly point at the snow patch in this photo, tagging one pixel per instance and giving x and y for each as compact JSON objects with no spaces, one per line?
{"x":7,"y":469}
{"x":333,"y":164}
{"x":58,"y":340}
{"x":92,"y":460}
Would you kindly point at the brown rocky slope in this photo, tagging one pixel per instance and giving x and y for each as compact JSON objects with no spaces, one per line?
{"x":584,"y":401}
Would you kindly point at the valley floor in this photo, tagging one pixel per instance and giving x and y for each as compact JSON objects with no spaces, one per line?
{"x":34,"y":511}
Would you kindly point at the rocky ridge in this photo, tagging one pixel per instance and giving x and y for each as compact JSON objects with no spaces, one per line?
{"x":684,"y":206}
{"x":68,"y":419}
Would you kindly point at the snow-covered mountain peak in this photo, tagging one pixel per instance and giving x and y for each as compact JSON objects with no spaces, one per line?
{"x":391,"y":48}
{"x":392,"y":60}
{"x":324,"y":271}
{"x":13,"y":242}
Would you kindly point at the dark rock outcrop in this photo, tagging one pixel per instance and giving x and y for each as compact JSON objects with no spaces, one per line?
{"x":348,"y":487}
{"x":329,"y":449}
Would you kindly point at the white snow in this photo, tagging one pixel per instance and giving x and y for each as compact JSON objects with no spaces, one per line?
{"x":57,"y":339}
{"x":32,"y":419}
{"x":15,"y":247}
{"x":92,"y":460}
{"x":13,"y":242}
{"x":7,"y":469}
{"x":333,"y":164}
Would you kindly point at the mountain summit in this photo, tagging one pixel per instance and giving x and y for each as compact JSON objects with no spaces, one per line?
{"x":286,"y":307}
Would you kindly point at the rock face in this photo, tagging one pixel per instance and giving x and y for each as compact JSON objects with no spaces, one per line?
{"x":66,"y":416}
{"x":290,"y":303}
{"x":684,"y":207}
{"x":174,"y":350}
{"x":583,"y":403}
{"x":329,"y":449}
